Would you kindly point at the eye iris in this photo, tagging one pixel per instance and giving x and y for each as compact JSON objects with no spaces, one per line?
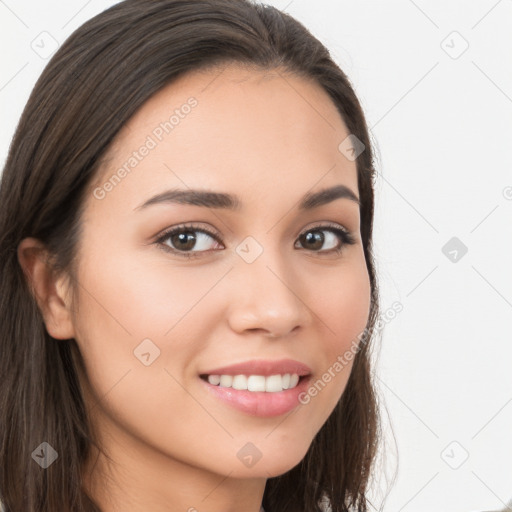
{"x":313,"y":237}
{"x":182,"y":239}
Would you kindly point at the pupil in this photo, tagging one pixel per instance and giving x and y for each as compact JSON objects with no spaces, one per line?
{"x":182,"y":238}
{"x":315,"y":236}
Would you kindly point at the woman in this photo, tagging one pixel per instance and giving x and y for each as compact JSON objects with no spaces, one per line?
{"x":188,"y":287}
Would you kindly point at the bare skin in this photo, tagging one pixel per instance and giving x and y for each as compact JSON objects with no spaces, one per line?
{"x":270,"y":138}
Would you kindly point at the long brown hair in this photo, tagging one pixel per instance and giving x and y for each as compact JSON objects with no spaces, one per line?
{"x":107,"y":69}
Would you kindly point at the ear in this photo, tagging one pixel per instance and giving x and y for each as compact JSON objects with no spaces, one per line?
{"x":51,"y":292}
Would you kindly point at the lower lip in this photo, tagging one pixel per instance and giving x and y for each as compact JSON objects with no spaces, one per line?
{"x":260,"y":403}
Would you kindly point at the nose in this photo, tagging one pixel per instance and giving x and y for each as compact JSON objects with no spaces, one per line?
{"x":266,"y":297}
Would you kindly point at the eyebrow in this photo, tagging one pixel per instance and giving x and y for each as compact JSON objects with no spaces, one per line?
{"x":197,"y":197}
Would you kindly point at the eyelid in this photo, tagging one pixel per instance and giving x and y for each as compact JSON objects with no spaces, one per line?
{"x":188,"y":225}
{"x":216,"y":235}
{"x":346,"y":236}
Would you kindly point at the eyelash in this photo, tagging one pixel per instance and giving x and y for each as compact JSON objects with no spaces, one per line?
{"x":346,"y":238}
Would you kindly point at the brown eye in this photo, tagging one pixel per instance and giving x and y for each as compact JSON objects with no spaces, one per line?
{"x":313,"y":240}
{"x":191,"y":241}
{"x":188,"y":241}
{"x":184,"y":240}
{"x":335,"y":238}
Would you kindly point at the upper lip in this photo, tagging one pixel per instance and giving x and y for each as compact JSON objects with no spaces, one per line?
{"x":263,"y":367}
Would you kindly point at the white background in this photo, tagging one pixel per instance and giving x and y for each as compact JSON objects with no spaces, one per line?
{"x":441,"y":121}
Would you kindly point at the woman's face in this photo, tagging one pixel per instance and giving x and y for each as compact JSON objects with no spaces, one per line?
{"x":264,"y":282}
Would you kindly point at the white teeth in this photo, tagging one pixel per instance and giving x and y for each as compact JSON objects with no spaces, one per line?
{"x":214,"y":379}
{"x":239,"y":382}
{"x":294,"y":379}
{"x":270,"y":384}
{"x":256,"y":383}
{"x":274,"y":383}
{"x":226,"y":381}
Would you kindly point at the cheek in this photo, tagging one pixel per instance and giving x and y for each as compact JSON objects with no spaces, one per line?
{"x":343,"y":305}
{"x":120,"y":309}
{"x":125,"y":301}
{"x":126,"y":297}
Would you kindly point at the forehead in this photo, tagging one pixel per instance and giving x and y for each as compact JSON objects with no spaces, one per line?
{"x":260,"y":132}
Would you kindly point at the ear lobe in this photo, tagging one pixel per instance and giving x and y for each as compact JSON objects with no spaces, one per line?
{"x":49,"y":290}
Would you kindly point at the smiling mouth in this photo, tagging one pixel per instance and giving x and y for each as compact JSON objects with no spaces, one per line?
{"x":256,"y":383}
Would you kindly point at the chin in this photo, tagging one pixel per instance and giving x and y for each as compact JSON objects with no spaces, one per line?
{"x":275,"y":464}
